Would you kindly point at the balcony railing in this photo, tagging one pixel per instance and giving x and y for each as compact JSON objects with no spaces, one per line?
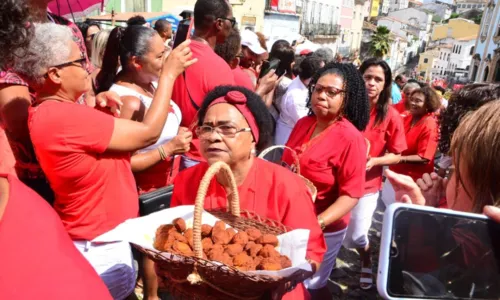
{"x":309,"y":29}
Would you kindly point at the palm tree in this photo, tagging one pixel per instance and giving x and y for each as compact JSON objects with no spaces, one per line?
{"x":379,"y":46}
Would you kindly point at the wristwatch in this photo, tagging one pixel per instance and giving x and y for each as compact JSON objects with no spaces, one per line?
{"x":321,"y":223}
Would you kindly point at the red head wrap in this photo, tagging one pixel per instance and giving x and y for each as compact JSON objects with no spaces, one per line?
{"x":239,"y":100}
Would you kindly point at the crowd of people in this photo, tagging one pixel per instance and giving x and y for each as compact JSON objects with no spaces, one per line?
{"x":94,"y":118}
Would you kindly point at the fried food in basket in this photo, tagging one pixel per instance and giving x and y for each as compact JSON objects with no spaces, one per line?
{"x":179,"y":224}
{"x":253,"y":233}
{"x":268,"y":251}
{"x":234,"y":249}
{"x":268,"y":239}
{"x":246,"y":250}
{"x":182,"y":248}
{"x":206,"y":230}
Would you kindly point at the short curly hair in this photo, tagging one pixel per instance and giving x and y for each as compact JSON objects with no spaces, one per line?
{"x":356,"y":105}
{"x":256,"y":105}
{"x":15,"y":31}
{"x":432,"y":101}
{"x":466,"y":100}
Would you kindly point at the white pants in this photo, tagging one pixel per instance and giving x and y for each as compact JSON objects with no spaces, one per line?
{"x":114,"y":264}
{"x":388,"y":194}
{"x":283,"y":132}
{"x":361,"y":221}
{"x":333,"y":243}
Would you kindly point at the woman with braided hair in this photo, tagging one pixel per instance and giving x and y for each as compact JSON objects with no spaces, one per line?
{"x":386,"y":135}
{"x":332,"y":154}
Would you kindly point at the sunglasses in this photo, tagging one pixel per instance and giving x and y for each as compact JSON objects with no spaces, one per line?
{"x":81,"y":62}
{"x":232,"y":20}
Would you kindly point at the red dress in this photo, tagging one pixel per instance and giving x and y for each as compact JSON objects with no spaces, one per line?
{"x":389,"y":135}
{"x":334,"y":161}
{"x":422,"y":140}
{"x":39,"y":260}
{"x":269,"y":190}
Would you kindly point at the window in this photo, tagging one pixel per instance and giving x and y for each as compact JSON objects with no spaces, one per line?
{"x":459,"y":50}
{"x":426,"y":60}
{"x":448,"y":56}
{"x":471,"y":51}
{"x":487,"y":22}
{"x":469,"y":6}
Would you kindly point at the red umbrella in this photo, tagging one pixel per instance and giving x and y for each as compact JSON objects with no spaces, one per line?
{"x":75,"y":8}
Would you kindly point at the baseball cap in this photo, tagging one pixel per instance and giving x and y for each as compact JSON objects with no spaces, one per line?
{"x":251,"y":40}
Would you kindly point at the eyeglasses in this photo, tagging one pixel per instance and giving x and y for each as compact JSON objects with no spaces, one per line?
{"x":81,"y":62}
{"x":204,"y":132}
{"x":329,"y":91}
{"x":232,"y":20}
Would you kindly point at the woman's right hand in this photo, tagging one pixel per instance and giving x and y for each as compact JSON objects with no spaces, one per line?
{"x":178,"y":60}
{"x":405,"y":189}
{"x":433,"y":188}
{"x":180,"y":144}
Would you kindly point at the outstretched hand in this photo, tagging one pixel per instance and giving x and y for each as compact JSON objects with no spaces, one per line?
{"x":406,"y":190}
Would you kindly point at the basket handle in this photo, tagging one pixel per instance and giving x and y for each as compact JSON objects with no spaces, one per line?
{"x":234,"y":201}
{"x":294,"y":154}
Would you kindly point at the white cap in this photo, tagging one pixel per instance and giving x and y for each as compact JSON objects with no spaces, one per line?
{"x":251,"y":40}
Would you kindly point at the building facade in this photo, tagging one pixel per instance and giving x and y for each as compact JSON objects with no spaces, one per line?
{"x":465,"y":5}
{"x":456,"y":28}
{"x":282,"y":21}
{"x":321,"y":22}
{"x":398,"y":4}
{"x":485,"y":61}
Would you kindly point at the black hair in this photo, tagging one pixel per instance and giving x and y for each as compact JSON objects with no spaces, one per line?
{"x":162,"y":25}
{"x":206,"y":11}
{"x":123,"y":43}
{"x":231,"y":46}
{"x":421,"y":84}
{"x":84,"y":27}
{"x":356,"y":107}
{"x":283,"y":51}
{"x":385,"y":96}
{"x":256,"y":106}
{"x":399,"y":77}
{"x":470,"y":98}
{"x":136,"y":20}
{"x":439,"y":88}
{"x":296,"y":68}
{"x":15,"y":31}
{"x":309,"y":66}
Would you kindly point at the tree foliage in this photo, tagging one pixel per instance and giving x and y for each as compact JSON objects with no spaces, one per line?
{"x":380,"y":44}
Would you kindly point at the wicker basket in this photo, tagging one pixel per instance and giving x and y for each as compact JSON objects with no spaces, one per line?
{"x":198,"y":278}
{"x":310,"y":185}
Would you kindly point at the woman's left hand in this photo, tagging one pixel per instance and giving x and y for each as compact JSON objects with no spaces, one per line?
{"x":370,"y":163}
{"x":492,"y":212}
{"x":108,"y":99}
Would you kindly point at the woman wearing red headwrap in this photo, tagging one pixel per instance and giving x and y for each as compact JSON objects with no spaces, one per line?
{"x":233,"y":125}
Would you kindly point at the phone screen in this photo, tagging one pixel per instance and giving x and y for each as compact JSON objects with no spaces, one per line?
{"x":267,"y":66}
{"x":182,"y":33}
{"x":443,"y":256}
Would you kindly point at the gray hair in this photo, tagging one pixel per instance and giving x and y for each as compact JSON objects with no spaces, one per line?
{"x":50,"y":46}
{"x":98,"y":47}
{"x":411,"y":85}
{"x":325,"y":54}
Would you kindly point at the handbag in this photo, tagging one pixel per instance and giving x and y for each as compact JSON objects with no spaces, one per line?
{"x":155,"y":201}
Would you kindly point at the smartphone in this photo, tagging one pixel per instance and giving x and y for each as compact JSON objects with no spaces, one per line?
{"x":267,"y":66}
{"x":182,"y":32}
{"x":432,"y":253}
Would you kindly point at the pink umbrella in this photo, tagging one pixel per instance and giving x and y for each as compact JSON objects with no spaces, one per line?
{"x":75,"y":8}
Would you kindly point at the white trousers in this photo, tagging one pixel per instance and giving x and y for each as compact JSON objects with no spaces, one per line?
{"x":114,"y":264}
{"x":388,"y":194}
{"x":361,"y":221}
{"x":333,"y":243}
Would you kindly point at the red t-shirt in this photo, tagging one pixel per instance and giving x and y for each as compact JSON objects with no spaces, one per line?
{"x":388,"y":136}
{"x":94,"y":190}
{"x":422,"y":140}
{"x":401,"y":105}
{"x":335,"y":162}
{"x":39,"y":260}
{"x":209,"y":72}
{"x":242,"y":79}
{"x":270,"y":191}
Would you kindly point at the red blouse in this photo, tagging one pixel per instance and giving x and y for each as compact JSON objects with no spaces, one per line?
{"x":39,"y":260}
{"x":269,"y":190}
{"x":422,"y":140}
{"x":334,"y":161}
{"x":389,"y":136}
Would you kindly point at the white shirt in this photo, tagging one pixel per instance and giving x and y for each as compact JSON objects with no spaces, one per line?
{"x":293,"y":108}
{"x":172,"y":124}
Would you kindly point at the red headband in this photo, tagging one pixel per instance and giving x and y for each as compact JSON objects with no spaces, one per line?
{"x":239,"y":100}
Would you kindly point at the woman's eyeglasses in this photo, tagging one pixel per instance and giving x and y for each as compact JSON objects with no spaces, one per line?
{"x":81,"y":62}
{"x":232,"y":20}
{"x":329,"y":91}
{"x":203,"y":132}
